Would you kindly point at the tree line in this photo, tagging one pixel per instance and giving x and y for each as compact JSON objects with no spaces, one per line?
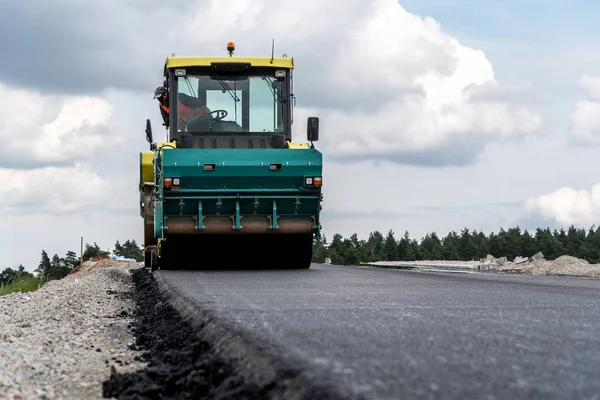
{"x":57,"y":267}
{"x":464,"y":246}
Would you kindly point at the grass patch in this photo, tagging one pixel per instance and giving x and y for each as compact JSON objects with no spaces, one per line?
{"x":21,"y":283}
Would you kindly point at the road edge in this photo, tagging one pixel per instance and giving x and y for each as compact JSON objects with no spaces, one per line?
{"x":255,"y":363}
{"x":243,"y":365}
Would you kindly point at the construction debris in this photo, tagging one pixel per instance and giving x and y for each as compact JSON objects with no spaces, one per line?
{"x":534,"y":265}
{"x":563,"y":265}
{"x":537,"y":256}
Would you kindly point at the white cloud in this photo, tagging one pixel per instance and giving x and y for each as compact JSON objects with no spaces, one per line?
{"x":584,"y":121}
{"x":590,"y":84}
{"x":568,"y":206}
{"x":493,"y":91}
{"x":42,"y":129}
{"x":96,"y":197}
{"x":385,"y":82}
{"x":64,"y":190}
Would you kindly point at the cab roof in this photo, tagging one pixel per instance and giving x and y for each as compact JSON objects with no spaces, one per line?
{"x":183,"y":62}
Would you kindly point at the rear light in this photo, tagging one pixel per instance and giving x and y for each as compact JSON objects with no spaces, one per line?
{"x":313,"y":181}
{"x":172,"y":181}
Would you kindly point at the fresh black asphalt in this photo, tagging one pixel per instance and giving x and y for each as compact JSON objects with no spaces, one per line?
{"x":397,"y":334}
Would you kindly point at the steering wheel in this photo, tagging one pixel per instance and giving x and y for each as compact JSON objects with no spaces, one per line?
{"x":222,"y":114}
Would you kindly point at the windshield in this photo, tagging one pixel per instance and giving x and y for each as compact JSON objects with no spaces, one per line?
{"x":210,"y":104}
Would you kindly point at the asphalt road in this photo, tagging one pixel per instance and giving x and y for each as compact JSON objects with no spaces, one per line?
{"x":394,"y":334}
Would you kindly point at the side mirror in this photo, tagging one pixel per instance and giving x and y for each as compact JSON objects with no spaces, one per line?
{"x":312,"y":129}
{"x":149,"y":131}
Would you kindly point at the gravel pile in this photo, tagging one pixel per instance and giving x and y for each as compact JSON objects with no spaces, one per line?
{"x":65,"y":339}
{"x":563,"y":265}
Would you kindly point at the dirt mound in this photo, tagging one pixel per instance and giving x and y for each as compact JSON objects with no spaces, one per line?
{"x":104,"y":263}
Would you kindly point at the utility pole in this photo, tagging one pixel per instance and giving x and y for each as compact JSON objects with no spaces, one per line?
{"x":81,"y":254}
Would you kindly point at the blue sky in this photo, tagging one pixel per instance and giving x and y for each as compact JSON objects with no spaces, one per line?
{"x":521,"y":23}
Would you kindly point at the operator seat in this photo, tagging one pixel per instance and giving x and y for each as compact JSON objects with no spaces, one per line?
{"x":200,"y":123}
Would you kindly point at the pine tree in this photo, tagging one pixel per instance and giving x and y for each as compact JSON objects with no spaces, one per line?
{"x":93,"y":251}
{"x":403,"y":247}
{"x":549,"y":244}
{"x":431,"y":247}
{"x":528,"y":245}
{"x":513,"y":243}
{"x":449,"y":252}
{"x":375,"y":247}
{"x":414,"y":251}
{"x":320,"y":251}
{"x":466,"y":247}
{"x":562,"y":238}
{"x":7,"y":275}
{"x":594,"y":247}
{"x":336,"y":249}
{"x":390,"y":247}
{"x":44,"y":265}
{"x":71,"y":260}
{"x":350,"y":253}
{"x":575,"y":241}
{"x":450,"y":246}
{"x":129,"y":249}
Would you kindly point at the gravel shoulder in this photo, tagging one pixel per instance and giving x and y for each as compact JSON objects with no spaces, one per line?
{"x":109,"y":330}
{"x":64,"y":340}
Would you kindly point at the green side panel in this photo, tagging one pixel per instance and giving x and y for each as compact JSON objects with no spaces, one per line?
{"x":240,"y":182}
{"x":241,"y":168}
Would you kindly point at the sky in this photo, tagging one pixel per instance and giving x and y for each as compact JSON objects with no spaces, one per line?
{"x":436,"y":115}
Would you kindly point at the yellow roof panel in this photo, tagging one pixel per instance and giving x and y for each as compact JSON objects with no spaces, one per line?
{"x":182,"y":62}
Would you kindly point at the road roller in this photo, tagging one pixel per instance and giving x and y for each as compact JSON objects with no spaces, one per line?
{"x":229,"y":187}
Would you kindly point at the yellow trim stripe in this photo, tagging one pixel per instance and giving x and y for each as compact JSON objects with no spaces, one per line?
{"x":182,"y":62}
